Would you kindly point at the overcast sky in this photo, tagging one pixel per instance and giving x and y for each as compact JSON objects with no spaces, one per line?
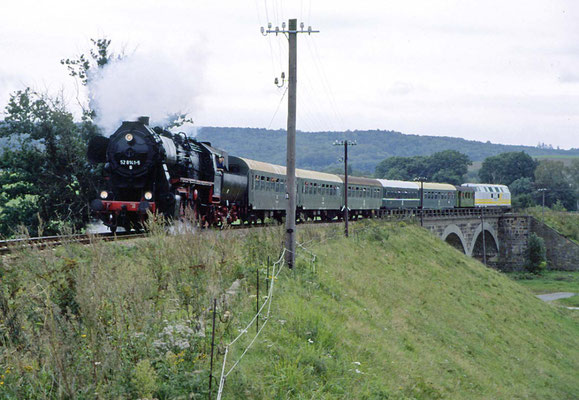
{"x":504,"y":71}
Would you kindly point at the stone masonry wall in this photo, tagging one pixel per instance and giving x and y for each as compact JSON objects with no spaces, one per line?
{"x":514,"y":233}
{"x":562,"y":253}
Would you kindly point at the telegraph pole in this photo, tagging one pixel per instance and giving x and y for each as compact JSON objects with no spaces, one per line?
{"x":482,"y":225}
{"x":290,"y":219}
{"x":543,"y":190}
{"x":345,"y":143}
{"x":421,"y":179}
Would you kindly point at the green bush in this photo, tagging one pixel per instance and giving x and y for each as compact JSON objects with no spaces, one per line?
{"x":536,"y":254}
{"x":523,"y":201}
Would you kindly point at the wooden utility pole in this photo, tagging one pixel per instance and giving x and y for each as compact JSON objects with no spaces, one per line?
{"x":421,"y":179}
{"x":290,"y":220}
{"x":543,"y":190}
{"x":482,"y":224}
{"x":346,"y":143}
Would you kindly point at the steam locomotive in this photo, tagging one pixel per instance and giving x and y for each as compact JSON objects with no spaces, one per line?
{"x":151,"y":169}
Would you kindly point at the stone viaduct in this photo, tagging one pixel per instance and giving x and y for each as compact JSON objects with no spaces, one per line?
{"x":503,"y":235}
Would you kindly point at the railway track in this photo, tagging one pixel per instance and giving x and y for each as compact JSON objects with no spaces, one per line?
{"x":10,"y":245}
{"x":44,"y":242}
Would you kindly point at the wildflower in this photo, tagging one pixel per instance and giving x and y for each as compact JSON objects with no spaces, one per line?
{"x":310,"y":341}
{"x":2,"y":383}
{"x":83,"y":335}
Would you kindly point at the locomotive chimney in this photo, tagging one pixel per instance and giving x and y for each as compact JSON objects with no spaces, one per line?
{"x":143,"y":120}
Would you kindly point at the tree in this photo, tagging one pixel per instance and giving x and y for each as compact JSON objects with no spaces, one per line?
{"x":521,"y":186}
{"x":556,"y":178}
{"x":521,"y":192}
{"x":403,"y":168}
{"x":100,"y":56}
{"x":82,"y":66}
{"x":448,"y":166}
{"x":573,"y":170}
{"x":47,"y":175}
{"x":505,"y":168}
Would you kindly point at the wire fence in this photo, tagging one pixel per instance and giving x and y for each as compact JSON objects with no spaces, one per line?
{"x":265,"y":310}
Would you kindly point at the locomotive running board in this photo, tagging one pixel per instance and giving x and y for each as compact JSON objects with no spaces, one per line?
{"x":195,"y":181}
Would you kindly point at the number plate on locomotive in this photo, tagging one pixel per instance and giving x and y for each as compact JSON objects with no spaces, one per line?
{"x":130,"y":162}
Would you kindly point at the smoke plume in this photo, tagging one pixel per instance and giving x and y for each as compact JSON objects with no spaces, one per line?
{"x":156,"y":85}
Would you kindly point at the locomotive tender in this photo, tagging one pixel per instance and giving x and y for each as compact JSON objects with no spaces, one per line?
{"x":151,"y":169}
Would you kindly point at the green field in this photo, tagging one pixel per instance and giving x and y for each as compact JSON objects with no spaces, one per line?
{"x":390,"y":313}
{"x":565,"y":159}
{"x":552,"y":282}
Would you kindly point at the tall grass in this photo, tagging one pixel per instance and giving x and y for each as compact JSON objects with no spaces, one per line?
{"x":391,"y":312}
{"x":126,"y":320}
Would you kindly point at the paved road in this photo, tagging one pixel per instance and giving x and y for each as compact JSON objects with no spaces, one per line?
{"x":555,"y":296}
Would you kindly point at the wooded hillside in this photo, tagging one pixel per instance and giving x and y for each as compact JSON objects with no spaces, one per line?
{"x":315,"y":150}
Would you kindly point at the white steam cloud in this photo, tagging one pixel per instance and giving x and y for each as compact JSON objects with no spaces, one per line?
{"x":154,"y":85}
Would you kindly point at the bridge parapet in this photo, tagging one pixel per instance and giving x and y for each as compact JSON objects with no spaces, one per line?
{"x":506,"y":237}
{"x":465,"y":232}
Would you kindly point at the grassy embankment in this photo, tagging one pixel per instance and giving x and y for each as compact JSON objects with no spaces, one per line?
{"x":564,"y":222}
{"x":390,"y":313}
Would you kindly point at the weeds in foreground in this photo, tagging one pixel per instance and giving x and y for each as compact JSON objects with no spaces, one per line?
{"x":123,"y":320}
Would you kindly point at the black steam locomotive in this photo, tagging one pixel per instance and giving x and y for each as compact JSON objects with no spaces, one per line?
{"x":151,"y":169}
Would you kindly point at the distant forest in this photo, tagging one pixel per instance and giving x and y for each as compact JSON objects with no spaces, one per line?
{"x":315,"y":150}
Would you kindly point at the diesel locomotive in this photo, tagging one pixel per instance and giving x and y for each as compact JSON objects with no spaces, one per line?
{"x":153,"y":170}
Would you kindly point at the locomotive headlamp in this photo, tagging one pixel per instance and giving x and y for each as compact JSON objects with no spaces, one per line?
{"x":129,"y":137}
{"x":104,"y":194}
{"x":148,"y":195}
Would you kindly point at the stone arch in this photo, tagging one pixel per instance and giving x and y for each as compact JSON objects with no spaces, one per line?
{"x":453,"y":236}
{"x":491,"y":241}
